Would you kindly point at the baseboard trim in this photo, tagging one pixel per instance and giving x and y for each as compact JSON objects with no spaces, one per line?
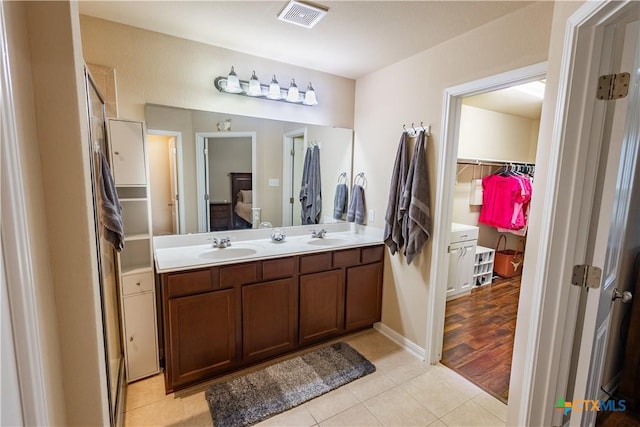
{"x":403,"y":342}
{"x":611,"y":387}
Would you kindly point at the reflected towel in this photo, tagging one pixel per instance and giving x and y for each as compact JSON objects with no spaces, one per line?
{"x":394,"y":220}
{"x":315,"y":186}
{"x":415,"y":202}
{"x":110,"y":209}
{"x":340,"y":201}
{"x":356,"y":210}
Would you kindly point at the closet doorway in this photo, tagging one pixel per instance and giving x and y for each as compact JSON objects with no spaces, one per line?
{"x":497,"y":136}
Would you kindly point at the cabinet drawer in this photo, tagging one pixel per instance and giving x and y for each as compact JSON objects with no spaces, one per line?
{"x":316,"y":262}
{"x":137,"y":283}
{"x":346,"y":258}
{"x":191,"y":282}
{"x":238,"y":274}
{"x":277,"y":268}
{"x":372,"y":254}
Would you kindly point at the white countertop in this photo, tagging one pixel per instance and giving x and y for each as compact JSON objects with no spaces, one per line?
{"x":183,"y":252}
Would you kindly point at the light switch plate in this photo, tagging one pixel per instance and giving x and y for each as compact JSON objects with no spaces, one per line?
{"x":274,"y":182}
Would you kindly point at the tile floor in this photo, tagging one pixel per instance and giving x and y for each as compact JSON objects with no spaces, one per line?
{"x":404,"y":391}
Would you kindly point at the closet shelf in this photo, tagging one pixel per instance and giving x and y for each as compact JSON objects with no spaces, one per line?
{"x":135,"y":269}
{"x":141,"y":236}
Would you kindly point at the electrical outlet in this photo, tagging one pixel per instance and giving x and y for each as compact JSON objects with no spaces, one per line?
{"x":372,"y":215}
{"x":274,"y":182}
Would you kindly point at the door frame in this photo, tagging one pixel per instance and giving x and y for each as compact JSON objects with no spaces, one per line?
{"x":287,"y":171}
{"x":201,"y":185}
{"x":452,"y":112}
{"x":179,"y":168}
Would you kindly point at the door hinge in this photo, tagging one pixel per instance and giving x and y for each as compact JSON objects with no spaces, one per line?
{"x":206,"y":197}
{"x":586,"y":276}
{"x":613,"y":86}
{"x":291,"y":200}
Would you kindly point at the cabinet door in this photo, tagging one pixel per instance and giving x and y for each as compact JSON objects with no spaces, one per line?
{"x":201,"y":336}
{"x":465,"y":267}
{"x":140,"y":335}
{"x":127,"y":147}
{"x":364,"y":295}
{"x":321,"y":305}
{"x":269,"y":318}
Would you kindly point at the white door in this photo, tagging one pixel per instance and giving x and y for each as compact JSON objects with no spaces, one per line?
{"x":461,"y":262}
{"x":175,"y":196}
{"x":140,"y":335}
{"x":616,"y":172}
{"x":207,"y":167}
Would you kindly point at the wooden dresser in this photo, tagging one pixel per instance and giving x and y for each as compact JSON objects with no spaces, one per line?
{"x":220,"y":216}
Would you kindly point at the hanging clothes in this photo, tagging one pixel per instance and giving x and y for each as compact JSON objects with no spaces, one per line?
{"x":394,"y":220}
{"x":415,"y":202}
{"x":310,"y":188}
{"x":506,"y":198}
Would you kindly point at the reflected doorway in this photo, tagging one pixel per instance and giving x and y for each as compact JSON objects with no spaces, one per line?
{"x":166,"y":182}
{"x":294,"y":144}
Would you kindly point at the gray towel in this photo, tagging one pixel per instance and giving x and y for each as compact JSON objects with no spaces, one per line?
{"x":356,"y":210}
{"x":304,"y":188}
{"x":340,"y":201}
{"x":310,"y":190}
{"x":415,"y":201}
{"x":394,"y":219}
{"x":110,"y":210}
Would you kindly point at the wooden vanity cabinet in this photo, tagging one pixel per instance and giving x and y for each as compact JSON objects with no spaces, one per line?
{"x":222,"y":318}
{"x":321,"y":305}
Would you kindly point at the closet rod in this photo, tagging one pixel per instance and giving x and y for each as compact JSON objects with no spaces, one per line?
{"x":491,"y":162}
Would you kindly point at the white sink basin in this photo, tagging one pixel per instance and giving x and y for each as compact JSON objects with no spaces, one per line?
{"x":227,"y":253}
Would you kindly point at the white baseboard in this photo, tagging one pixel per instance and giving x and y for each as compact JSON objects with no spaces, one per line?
{"x":403,"y":342}
{"x":611,"y":387}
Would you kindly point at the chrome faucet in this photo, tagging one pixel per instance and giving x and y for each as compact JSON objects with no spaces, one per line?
{"x":221,"y":243}
{"x":318,"y":234}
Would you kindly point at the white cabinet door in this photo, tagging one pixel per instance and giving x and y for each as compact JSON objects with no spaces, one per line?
{"x":127,"y":148}
{"x":140,"y":335}
{"x":461,"y":263}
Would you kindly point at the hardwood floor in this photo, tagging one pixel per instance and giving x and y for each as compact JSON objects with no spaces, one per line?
{"x":478,"y":335}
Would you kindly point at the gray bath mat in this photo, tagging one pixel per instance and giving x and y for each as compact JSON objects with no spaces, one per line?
{"x":251,"y":398}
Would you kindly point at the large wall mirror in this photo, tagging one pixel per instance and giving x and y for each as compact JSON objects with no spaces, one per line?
{"x":214,"y":171}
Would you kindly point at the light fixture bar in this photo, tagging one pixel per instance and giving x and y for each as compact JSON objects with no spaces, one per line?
{"x":221,"y":84}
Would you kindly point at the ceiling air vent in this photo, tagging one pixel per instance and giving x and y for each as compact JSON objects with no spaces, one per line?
{"x":302,"y":14}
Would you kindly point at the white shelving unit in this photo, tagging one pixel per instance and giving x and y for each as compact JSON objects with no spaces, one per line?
{"x":137,"y":289}
{"x":483,"y":266}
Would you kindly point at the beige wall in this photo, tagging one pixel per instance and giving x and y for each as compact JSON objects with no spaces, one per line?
{"x":47,"y":73}
{"x":160,"y":184}
{"x":482,"y":52}
{"x":160,"y":69}
{"x":486,"y":134}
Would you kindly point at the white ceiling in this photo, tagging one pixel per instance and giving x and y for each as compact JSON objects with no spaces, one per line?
{"x":508,"y":101}
{"x":353,"y":40}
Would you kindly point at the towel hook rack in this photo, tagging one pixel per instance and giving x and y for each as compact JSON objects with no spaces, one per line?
{"x":362,"y":180}
{"x":342,"y":178}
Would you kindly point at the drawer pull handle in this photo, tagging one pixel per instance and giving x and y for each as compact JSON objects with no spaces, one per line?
{"x":137,"y":283}
{"x":117,"y":153}
{"x":131,"y":339}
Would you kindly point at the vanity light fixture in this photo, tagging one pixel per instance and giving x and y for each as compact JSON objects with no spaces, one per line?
{"x":233,"y":83}
{"x":293,"y":94}
{"x":273,"y":91}
{"x":310,"y":96}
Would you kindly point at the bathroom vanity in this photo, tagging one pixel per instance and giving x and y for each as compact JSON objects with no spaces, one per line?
{"x":258,"y":299}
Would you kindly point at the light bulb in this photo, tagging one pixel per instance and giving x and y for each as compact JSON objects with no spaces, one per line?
{"x":293,"y":95}
{"x":233,"y":83}
{"x":274,"y":89}
{"x":254,"y":86}
{"x":310,"y":96}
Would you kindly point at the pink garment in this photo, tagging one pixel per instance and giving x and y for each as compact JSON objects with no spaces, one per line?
{"x":505,"y":201}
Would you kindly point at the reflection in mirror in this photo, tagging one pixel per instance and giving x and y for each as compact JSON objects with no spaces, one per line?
{"x":202,"y":173}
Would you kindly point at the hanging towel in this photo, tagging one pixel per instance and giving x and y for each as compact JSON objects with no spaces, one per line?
{"x":109,"y":205}
{"x":315,"y":186}
{"x":310,"y":190}
{"x":356,"y":206}
{"x":475,"y":195}
{"x":415,"y":202}
{"x":304,"y":189}
{"x":394,"y":220}
{"x":340,"y":201}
